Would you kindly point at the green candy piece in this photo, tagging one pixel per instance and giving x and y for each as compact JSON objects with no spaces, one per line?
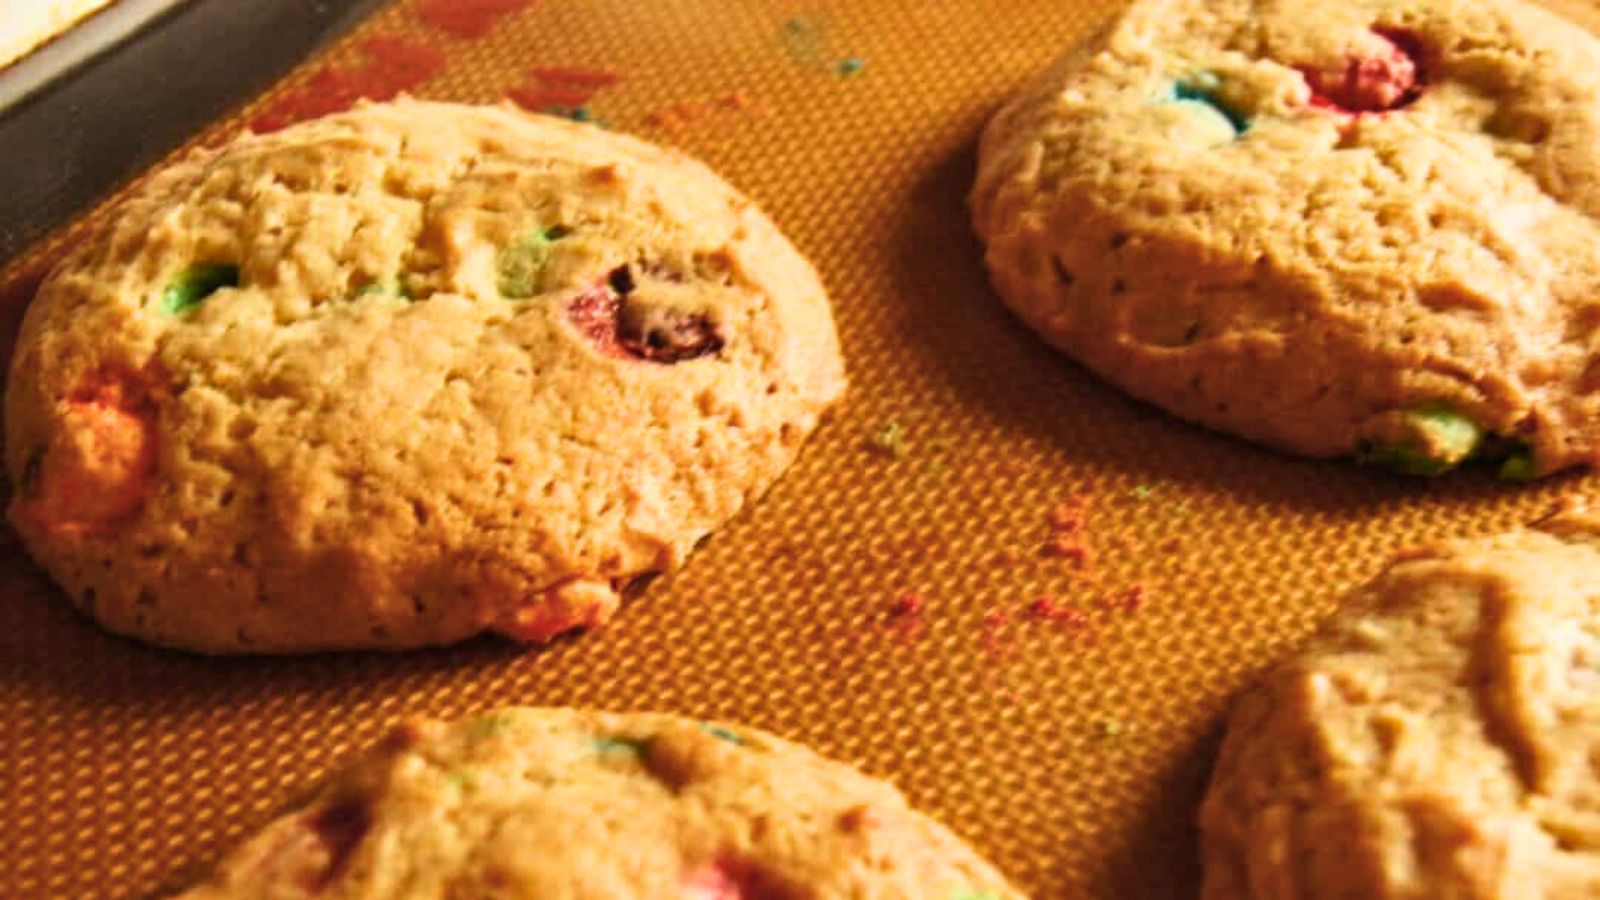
{"x":193,"y":285}
{"x":731,"y":737}
{"x":388,"y":287}
{"x":628,"y":746}
{"x":966,"y":893}
{"x":522,"y":264}
{"x":1439,"y":438}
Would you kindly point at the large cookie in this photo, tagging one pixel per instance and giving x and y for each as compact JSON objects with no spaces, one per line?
{"x":400,"y":375}
{"x":1437,"y":739}
{"x":547,"y":803}
{"x":1329,"y":226}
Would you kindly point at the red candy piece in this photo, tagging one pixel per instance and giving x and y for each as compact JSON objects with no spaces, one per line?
{"x":596,"y":314}
{"x":666,"y":337}
{"x":1388,"y":81}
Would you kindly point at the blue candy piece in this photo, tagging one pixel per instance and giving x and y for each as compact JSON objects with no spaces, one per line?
{"x":1188,"y":92}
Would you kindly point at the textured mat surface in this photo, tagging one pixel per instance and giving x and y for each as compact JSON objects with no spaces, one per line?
{"x":1068,"y":739}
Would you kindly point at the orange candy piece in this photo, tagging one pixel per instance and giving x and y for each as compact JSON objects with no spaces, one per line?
{"x":96,"y":470}
{"x":573,"y":604}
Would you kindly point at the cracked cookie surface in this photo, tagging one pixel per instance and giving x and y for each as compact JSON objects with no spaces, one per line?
{"x":1436,"y":739}
{"x":564,"y":803}
{"x":1296,"y":221}
{"x":405,"y":374}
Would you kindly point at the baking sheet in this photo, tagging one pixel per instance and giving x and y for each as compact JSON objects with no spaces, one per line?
{"x":93,"y":33}
{"x":131,"y":83}
{"x":1059,"y":708}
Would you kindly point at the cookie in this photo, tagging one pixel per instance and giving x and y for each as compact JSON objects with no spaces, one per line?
{"x":1334,"y":228}
{"x":546,"y":803}
{"x":1436,"y":739}
{"x":404,"y":374}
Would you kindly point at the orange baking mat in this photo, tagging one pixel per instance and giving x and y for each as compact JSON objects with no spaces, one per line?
{"x":1058,"y":707}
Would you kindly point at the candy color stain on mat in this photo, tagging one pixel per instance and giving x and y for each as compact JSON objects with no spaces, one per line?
{"x":563,"y":90}
{"x":889,"y":439}
{"x":808,"y":41}
{"x":391,"y":66}
{"x":468,"y":18}
{"x":127,"y":770}
{"x":718,"y":111}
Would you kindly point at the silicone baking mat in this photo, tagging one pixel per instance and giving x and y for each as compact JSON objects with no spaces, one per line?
{"x":1021,"y":596}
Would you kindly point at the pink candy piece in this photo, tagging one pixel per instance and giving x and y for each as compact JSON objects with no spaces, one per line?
{"x":711,"y":882}
{"x":581,"y":603}
{"x":1389,"y":80}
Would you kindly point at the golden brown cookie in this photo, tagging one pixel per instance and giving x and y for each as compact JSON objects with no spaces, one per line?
{"x":1343,"y":227}
{"x":404,"y":374}
{"x":1437,"y":739}
{"x":550,"y":803}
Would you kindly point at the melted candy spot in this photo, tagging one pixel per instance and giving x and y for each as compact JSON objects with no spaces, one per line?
{"x":1184,"y":92}
{"x":193,"y":285}
{"x":1430,"y":439}
{"x":339,"y":828}
{"x":610,"y":746}
{"x":721,"y":733}
{"x":728,"y":879}
{"x":97,"y":469}
{"x":522,"y":264}
{"x":1389,"y":80}
{"x":595,"y":313}
{"x":387,"y":287}
{"x":859,"y":818}
{"x":563,"y":608}
{"x":626,"y":330}
{"x":711,"y":882}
